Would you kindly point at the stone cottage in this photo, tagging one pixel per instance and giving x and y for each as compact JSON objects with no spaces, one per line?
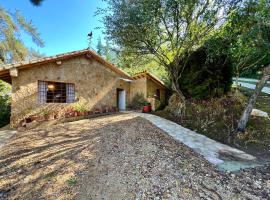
{"x":80,"y":79}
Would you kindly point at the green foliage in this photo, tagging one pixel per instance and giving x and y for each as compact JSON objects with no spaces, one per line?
{"x":79,"y":108}
{"x":166,"y":30}
{"x":249,"y":32}
{"x":138,"y":101}
{"x":5,"y":100}
{"x":72,"y":181}
{"x":106,"y":51}
{"x":208,"y":72}
{"x":12,"y":47}
{"x":99,"y":47}
{"x":134,"y":64}
{"x":215,"y":117}
{"x":161,"y":106}
{"x":146,"y":103}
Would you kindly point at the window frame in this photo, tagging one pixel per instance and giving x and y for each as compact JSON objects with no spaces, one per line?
{"x":43,"y":99}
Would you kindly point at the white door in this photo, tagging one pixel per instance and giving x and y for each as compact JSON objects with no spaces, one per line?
{"x":122,"y":100}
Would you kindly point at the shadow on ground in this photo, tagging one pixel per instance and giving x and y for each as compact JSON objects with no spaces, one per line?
{"x":42,"y":163}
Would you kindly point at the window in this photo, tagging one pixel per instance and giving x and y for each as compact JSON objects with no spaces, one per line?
{"x":56,"y":92}
{"x":158,"y":94}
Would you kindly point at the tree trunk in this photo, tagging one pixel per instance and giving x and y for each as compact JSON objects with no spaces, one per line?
{"x":245,"y":116}
{"x":179,"y":108}
{"x":176,"y":88}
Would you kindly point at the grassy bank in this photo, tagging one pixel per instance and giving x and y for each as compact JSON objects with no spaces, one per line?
{"x":217,"y":118}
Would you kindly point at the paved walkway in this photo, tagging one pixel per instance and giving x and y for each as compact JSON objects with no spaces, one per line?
{"x":5,"y":135}
{"x":208,"y":148}
{"x":252,"y":86}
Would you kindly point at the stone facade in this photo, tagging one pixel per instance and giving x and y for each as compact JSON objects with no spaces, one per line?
{"x":95,"y":86}
{"x":152,"y":88}
{"x":139,"y":86}
{"x":148,"y":88}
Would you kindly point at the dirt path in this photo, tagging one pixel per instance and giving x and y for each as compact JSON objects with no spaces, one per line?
{"x":115,"y":157}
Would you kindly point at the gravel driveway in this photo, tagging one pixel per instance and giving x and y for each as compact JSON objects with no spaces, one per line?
{"x":116,"y":157}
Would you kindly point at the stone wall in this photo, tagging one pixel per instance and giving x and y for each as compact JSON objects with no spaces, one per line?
{"x":152,"y":88}
{"x":95,"y":86}
{"x":138,"y":86}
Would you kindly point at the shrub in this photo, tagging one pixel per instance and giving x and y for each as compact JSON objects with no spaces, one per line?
{"x":215,"y":118}
{"x":4,"y":110}
{"x":138,"y":101}
{"x":80,"y":108}
{"x":208,"y":72}
{"x":5,"y":101}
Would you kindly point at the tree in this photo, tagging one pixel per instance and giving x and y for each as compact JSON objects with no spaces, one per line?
{"x":5,"y":91}
{"x":252,"y":100}
{"x":248,"y":29}
{"x":133,"y":64}
{"x":251,"y":46}
{"x":12,"y":47}
{"x":208,"y":72}
{"x":99,"y":47}
{"x":167,"y":30}
{"x":108,"y":51}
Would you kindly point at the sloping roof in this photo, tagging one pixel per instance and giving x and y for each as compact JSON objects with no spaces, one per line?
{"x":151,"y":77}
{"x":4,"y":69}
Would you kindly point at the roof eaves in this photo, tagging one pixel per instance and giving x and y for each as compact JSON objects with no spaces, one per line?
{"x":24,"y":64}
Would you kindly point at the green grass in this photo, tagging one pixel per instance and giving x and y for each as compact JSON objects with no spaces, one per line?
{"x":72,"y":181}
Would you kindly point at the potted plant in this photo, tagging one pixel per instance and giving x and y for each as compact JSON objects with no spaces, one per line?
{"x":147,"y":107}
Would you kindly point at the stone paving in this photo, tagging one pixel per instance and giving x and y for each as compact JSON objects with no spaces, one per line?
{"x":210,"y":149}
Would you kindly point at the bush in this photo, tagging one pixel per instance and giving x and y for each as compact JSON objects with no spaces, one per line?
{"x":4,"y":110}
{"x":5,"y":101}
{"x":79,"y":108}
{"x":138,"y":101}
{"x":208,"y":72}
{"x":215,"y":118}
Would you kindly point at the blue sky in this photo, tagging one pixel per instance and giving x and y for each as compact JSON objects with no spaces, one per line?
{"x":62,"y":24}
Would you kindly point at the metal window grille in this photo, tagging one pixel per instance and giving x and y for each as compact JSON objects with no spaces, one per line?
{"x":42,"y":91}
{"x":56,"y":92}
{"x":70,"y":92}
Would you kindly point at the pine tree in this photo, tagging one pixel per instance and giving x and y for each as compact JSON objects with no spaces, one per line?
{"x":99,"y":47}
{"x":12,"y":48}
{"x":107,"y":51}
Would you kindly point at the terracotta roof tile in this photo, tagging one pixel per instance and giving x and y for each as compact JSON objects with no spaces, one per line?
{"x":151,"y":76}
